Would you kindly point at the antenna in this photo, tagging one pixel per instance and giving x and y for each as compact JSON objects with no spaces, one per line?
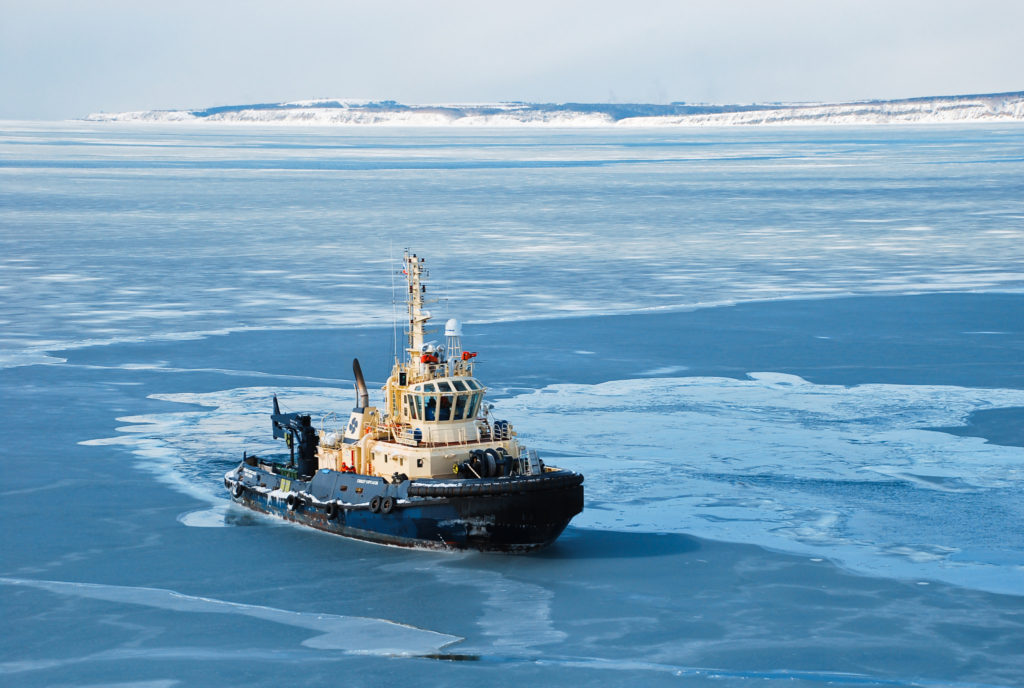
{"x":394,"y":304}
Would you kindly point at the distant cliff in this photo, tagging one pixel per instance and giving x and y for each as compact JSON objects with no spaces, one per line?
{"x":991,"y":107}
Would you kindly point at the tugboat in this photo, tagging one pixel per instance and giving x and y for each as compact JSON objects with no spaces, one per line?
{"x":431,"y":469}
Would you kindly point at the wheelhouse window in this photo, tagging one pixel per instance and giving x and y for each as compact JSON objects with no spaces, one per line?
{"x":462,"y":402}
{"x":446,"y":407}
{"x":414,"y":406}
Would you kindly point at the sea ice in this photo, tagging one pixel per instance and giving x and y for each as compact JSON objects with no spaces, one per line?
{"x":849,"y":473}
{"x":358,"y":635}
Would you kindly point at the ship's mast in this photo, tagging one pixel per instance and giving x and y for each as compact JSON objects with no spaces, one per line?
{"x":414,"y":274}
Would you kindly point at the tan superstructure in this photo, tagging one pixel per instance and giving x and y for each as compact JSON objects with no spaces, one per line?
{"x":434,"y":413}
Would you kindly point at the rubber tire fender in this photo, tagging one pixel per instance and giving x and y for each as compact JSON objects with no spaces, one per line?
{"x":494,"y":462}
{"x":477,"y":461}
{"x":387,"y":505}
{"x":331,"y":511}
{"x":375,"y":504}
{"x":491,"y":463}
{"x":237,"y":489}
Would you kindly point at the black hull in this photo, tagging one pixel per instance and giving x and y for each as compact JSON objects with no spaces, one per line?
{"x":511,"y":518}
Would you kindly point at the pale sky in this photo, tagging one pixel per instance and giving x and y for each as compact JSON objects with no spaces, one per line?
{"x":65,"y":59}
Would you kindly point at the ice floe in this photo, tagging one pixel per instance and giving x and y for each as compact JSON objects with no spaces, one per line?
{"x":851,"y":473}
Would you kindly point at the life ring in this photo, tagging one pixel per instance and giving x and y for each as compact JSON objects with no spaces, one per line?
{"x":237,"y":489}
{"x":387,"y":505}
{"x":375,"y":504}
{"x":331,"y":511}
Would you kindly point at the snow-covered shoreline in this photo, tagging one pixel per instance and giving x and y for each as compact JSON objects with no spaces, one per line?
{"x":999,"y":107}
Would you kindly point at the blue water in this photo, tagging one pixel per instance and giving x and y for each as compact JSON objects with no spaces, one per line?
{"x":790,"y":363}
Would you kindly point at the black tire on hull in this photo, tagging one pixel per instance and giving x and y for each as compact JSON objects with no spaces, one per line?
{"x":477,"y":462}
{"x":491,"y":465}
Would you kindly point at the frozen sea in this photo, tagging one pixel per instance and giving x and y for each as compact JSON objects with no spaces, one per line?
{"x":790,"y":363}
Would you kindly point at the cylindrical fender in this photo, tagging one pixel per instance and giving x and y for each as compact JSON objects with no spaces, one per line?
{"x":476,"y":461}
{"x":504,"y":461}
{"x":491,"y":463}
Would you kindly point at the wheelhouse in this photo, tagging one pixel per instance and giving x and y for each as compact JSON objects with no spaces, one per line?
{"x":443,"y":400}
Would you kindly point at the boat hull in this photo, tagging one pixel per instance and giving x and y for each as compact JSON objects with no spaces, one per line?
{"x":506,"y":521}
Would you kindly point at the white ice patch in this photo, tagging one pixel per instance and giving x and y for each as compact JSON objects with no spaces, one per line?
{"x":665,"y":370}
{"x":354,"y":634}
{"x":214,"y":517}
{"x":191,"y":449}
{"x":842,"y":472}
{"x":13,"y":358}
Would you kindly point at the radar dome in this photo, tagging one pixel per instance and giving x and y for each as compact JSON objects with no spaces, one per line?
{"x":453,"y":328}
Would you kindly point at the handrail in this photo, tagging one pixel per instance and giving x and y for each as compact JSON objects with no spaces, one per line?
{"x":324,"y":419}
